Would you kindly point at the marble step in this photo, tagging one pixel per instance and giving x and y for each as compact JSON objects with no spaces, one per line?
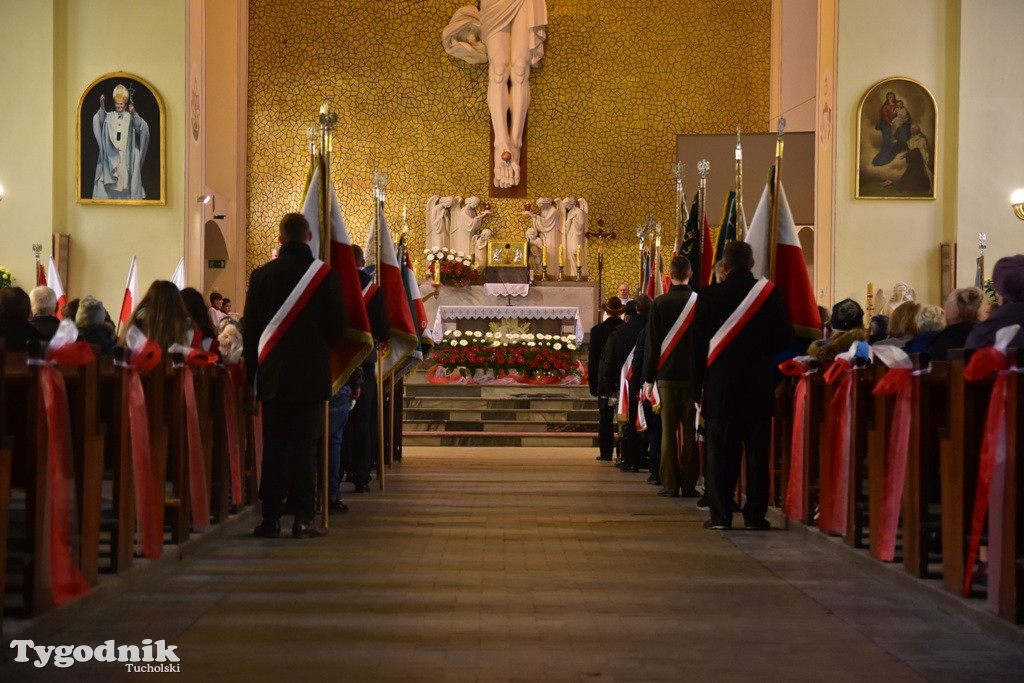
{"x":497,"y":391}
{"x":479,"y":403}
{"x":500,"y":439}
{"x":543,"y":414}
{"x":552,"y":427}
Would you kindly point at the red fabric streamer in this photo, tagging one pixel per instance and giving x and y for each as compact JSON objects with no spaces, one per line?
{"x":993,"y":450}
{"x":898,"y":381}
{"x":67,"y":583}
{"x":795,"y":484}
{"x":839,"y":443}
{"x":198,"y":491}
{"x":230,"y":394}
{"x":148,"y":501}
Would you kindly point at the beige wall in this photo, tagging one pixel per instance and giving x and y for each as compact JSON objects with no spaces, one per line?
{"x":991,"y":144}
{"x":26,"y":140}
{"x":68,"y":44}
{"x":877,"y":240}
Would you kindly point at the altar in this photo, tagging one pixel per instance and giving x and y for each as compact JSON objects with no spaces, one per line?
{"x":550,"y":307}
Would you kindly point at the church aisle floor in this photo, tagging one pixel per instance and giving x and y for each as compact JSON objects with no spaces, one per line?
{"x":527,"y":565}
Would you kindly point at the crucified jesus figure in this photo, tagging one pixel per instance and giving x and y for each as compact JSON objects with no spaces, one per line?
{"x":509,"y":35}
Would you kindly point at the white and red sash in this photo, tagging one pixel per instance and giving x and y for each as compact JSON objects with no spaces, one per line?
{"x":678,"y":329}
{"x":622,"y":410}
{"x":369,"y":290}
{"x":736,"y":321}
{"x":292,"y":306}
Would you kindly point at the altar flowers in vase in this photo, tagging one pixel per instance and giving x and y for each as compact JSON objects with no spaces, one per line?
{"x":448,"y":267}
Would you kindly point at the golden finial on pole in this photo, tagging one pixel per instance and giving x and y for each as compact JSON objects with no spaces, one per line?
{"x":741,"y":217}
{"x":703,"y":169}
{"x":773,"y":225}
{"x":679,"y":172}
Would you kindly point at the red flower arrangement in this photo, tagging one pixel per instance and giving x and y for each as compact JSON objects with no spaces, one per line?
{"x":456,"y":269}
{"x":523,"y":357}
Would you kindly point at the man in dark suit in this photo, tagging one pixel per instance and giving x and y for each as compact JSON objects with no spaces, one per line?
{"x":673,"y":378}
{"x":599,"y":335}
{"x":617,"y":350}
{"x":734,"y":377}
{"x":291,"y":371}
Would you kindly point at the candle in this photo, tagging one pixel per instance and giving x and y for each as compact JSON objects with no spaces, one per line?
{"x":561,"y":255}
{"x":416,"y":267}
{"x":544,"y":257}
{"x":579,"y":257}
{"x":437,"y":272}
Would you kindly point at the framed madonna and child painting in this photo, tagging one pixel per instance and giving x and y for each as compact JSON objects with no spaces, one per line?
{"x":896,"y":141}
{"x":121,"y":157}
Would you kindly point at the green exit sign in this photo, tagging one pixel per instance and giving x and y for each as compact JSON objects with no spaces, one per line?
{"x":216,"y":263}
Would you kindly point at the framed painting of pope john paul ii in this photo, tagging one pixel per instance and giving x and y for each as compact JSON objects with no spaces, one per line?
{"x":896,"y":141}
{"x":121,"y":158}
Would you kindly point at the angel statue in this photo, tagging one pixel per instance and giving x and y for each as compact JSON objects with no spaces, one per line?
{"x":466,"y":223}
{"x":535,"y":246}
{"x":547,"y":221}
{"x":901,"y":293}
{"x":509,"y":36}
{"x":574,"y":230}
{"x":439,"y":220}
{"x":480,"y":241}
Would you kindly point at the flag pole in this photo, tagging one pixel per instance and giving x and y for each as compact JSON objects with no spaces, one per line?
{"x":640,"y":232}
{"x":328,"y":119}
{"x":378,"y":192}
{"x":741,"y":217}
{"x":679,"y":171}
{"x":773,"y":225}
{"x":703,"y":168}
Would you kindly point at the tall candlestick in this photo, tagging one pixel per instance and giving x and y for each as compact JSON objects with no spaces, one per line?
{"x":561,"y":255}
{"x":579,"y":258}
{"x":437,"y":272}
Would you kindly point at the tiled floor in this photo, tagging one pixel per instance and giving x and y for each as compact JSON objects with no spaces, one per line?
{"x":530,"y":565}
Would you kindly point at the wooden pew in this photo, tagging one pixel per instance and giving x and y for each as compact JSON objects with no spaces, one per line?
{"x":959,"y":451}
{"x":6,"y":446}
{"x":929,"y":420}
{"x":881,"y":410}
{"x":27,"y":426}
{"x":25,"y":421}
{"x":87,"y":435}
{"x":114,"y":409}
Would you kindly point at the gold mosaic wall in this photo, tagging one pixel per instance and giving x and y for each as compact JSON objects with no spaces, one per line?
{"x":618,"y":82}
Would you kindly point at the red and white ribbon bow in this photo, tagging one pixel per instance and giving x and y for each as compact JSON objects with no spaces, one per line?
{"x":803,"y":368}
{"x":142,"y":355}
{"x":840,"y":436}
{"x":897,"y":380}
{"x":199,"y":492}
{"x":66,"y":580}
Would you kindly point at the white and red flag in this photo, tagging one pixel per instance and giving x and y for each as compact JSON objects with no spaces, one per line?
{"x":131,"y":293}
{"x":405,"y":337}
{"x":358,"y":342}
{"x":790,"y":268}
{"x":53,"y":282}
{"x":178,"y":277}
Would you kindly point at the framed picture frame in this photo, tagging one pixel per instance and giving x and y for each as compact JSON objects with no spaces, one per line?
{"x":896,"y":124}
{"x":120,"y":142}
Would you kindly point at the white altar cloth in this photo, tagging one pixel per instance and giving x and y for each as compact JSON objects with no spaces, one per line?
{"x":446,"y":313}
{"x":507,"y":288}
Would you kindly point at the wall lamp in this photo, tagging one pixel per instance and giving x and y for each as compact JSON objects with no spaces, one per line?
{"x":1017,"y":202}
{"x":205,"y":198}
{"x":1,"y":192}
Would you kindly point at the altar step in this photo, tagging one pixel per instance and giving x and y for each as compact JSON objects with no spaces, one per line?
{"x":498,"y":415}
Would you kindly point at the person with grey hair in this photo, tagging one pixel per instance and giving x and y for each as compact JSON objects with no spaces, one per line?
{"x":44,"y":309}
{"x":91,"y":321}
{"x":963,"y":310}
